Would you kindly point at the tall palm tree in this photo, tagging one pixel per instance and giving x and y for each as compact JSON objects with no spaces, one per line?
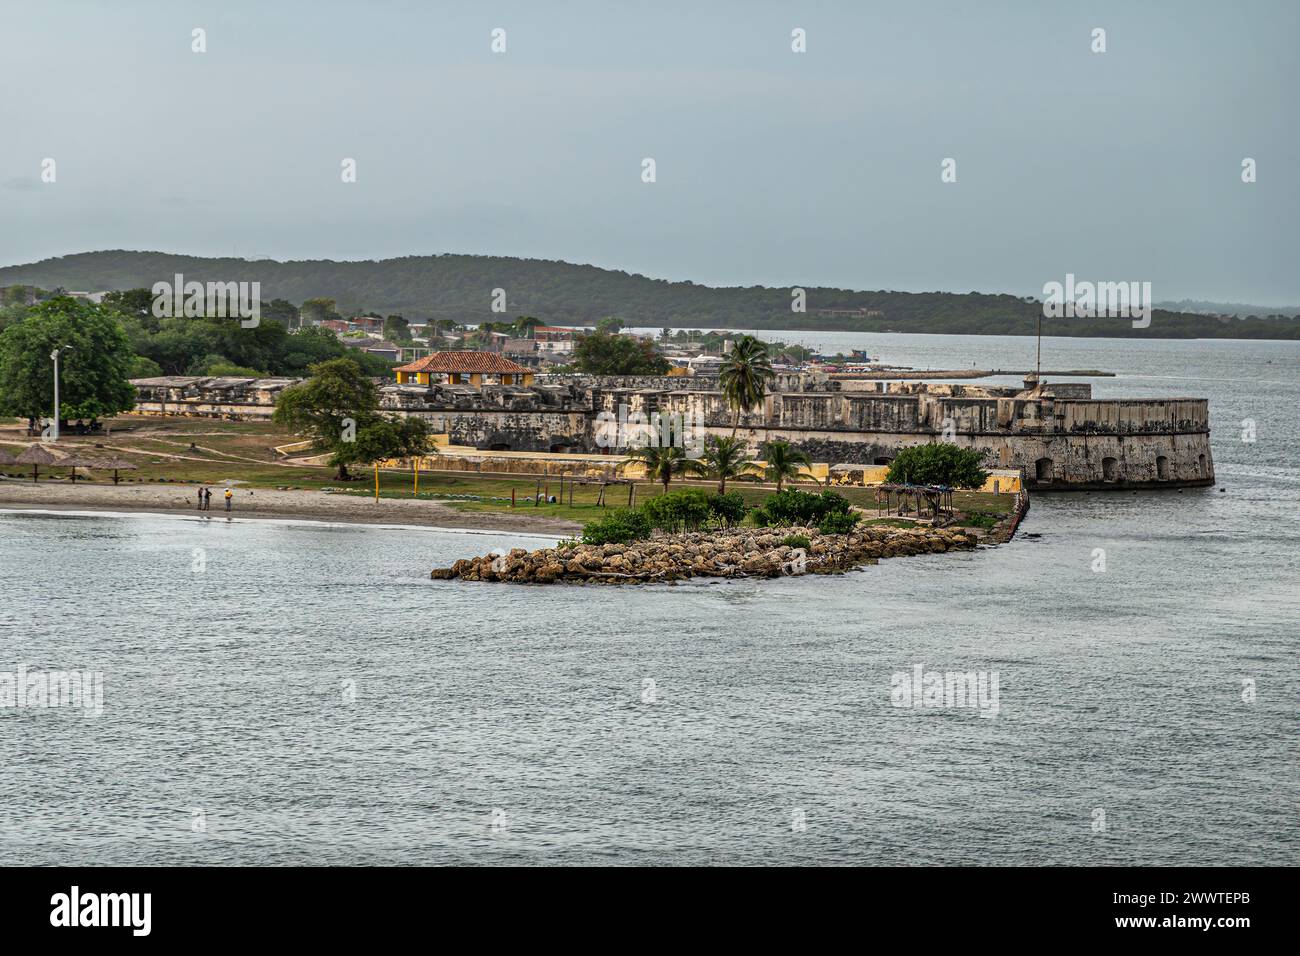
{"x":661,"y":463}
{"x":744,"y":377}
{"x":783,"y":462}
{"x":724,"y":458}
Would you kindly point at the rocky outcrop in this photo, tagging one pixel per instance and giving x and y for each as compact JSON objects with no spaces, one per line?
{"x":735,"y":553}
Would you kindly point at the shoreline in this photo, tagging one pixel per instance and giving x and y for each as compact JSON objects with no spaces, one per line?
{"x":264,"y":504}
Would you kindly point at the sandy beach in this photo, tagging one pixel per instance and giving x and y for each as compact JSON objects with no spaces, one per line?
{"x":267,"y":503}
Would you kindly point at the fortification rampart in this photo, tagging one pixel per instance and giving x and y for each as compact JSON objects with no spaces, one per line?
{"x":1057,"y":435}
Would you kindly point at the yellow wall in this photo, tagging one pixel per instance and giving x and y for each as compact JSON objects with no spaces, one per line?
{"x":1008,"y":482}
{"x":457,"y":378}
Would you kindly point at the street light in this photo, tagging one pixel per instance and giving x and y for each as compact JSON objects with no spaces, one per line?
{"x":54,"y":428}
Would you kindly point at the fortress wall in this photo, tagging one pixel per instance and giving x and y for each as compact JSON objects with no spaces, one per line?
{"x":1058,"y":443}
{"x":1135,"y":416}
{"x":234,"y":411}
{"x":1076,"y":461}
{"x":512,"y":431}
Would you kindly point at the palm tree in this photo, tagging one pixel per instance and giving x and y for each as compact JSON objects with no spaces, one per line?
{"x":661,"y":463}
{"x":783,"y":462}
{"x":724,"y":458}
{"x":744,"y":376}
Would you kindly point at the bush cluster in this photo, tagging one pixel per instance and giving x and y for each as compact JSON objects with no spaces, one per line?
{"x":617,"y":527}
{"x":792,"y":506}
{"x":676,"y":511}
{"x":729,"y":509}
{"x":838,"y":522}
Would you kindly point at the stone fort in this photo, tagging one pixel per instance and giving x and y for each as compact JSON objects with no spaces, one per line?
{"x":1056,"y":434}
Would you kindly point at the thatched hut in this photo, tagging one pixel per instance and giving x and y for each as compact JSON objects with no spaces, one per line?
{"x":39,"y":454}
{"x":116,"y":464}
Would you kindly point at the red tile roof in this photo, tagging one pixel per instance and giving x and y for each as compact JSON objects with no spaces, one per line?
{"x":490,"y":362}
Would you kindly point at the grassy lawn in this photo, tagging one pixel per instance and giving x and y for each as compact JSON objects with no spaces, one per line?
{"x":245,"y":451}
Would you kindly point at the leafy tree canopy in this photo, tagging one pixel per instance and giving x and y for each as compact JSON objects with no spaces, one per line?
{"x":337,"y":407}
{"x":939,"y":463}
{"x":602,"y":353}
{"x":93,"y":373}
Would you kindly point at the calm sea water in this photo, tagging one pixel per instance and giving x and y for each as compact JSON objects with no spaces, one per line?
{"x":310,"y":696}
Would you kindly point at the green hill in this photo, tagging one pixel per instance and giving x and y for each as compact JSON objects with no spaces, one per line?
{"x":460,"y":288}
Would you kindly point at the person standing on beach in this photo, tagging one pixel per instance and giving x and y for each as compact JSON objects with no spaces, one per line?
{"x":229,"y":495}
{"x":207,"y":499}
{"x":200,"y":498}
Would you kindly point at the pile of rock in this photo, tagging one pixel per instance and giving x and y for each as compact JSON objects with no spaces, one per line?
{"x":732,"y":553}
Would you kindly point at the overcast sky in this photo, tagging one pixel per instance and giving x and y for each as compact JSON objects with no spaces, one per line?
{"x":773,"y":167}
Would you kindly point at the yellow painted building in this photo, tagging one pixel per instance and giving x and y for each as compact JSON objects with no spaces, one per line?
{"x":474,"y":369}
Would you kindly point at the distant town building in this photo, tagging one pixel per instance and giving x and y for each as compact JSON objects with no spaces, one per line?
{"x":551,"y":338}
{"x":386,"y":350}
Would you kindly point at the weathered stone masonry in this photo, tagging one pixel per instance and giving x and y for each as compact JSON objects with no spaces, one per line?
{"x":1057,"y":434}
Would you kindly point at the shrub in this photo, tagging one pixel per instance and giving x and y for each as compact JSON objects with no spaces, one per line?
{"x":800,"y":507}
{"x":980,"y":519}
{"x":796,"y":541}
{"x":728,"y":509}
{"x":939,"y":464}
{"x":617,"y":527}
{"x":838,"y":522}
{"x":677,"y":510}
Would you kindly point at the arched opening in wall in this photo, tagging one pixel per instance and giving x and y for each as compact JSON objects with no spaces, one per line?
{"x":499,"y":446}
{"x":1044,"y":469}
{"x":1200,"y":467}
{"x":1110,"y":469}
{"x":1162,"y":468}
{"x":561,"y":449}
{"x":882,"y":460}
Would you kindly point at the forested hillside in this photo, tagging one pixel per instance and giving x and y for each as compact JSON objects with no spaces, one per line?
{"x":460,"y":287}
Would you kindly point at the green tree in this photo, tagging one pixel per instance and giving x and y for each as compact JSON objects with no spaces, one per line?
{"x":784,"y":463}
{"x":609,"y":325}
{"x":525,"y":324}
{"x":318,"y":310}
{"x":137,"y":303}
{"x":382,"y":436}
{"x":330,"y":408}
{"x":744,"y":377}
{"x":142,"y":367}
{"x":397,"y":329}
{"x":282,"y":311}
{"x":94,"y":372}
{"x":938,"y":463}
{"x":601,"y":353}
{"x":724,"y":458}
{"x":662,"y":462}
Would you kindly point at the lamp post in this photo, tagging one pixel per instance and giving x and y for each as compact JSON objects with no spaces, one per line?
{"x":54,"y":428}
